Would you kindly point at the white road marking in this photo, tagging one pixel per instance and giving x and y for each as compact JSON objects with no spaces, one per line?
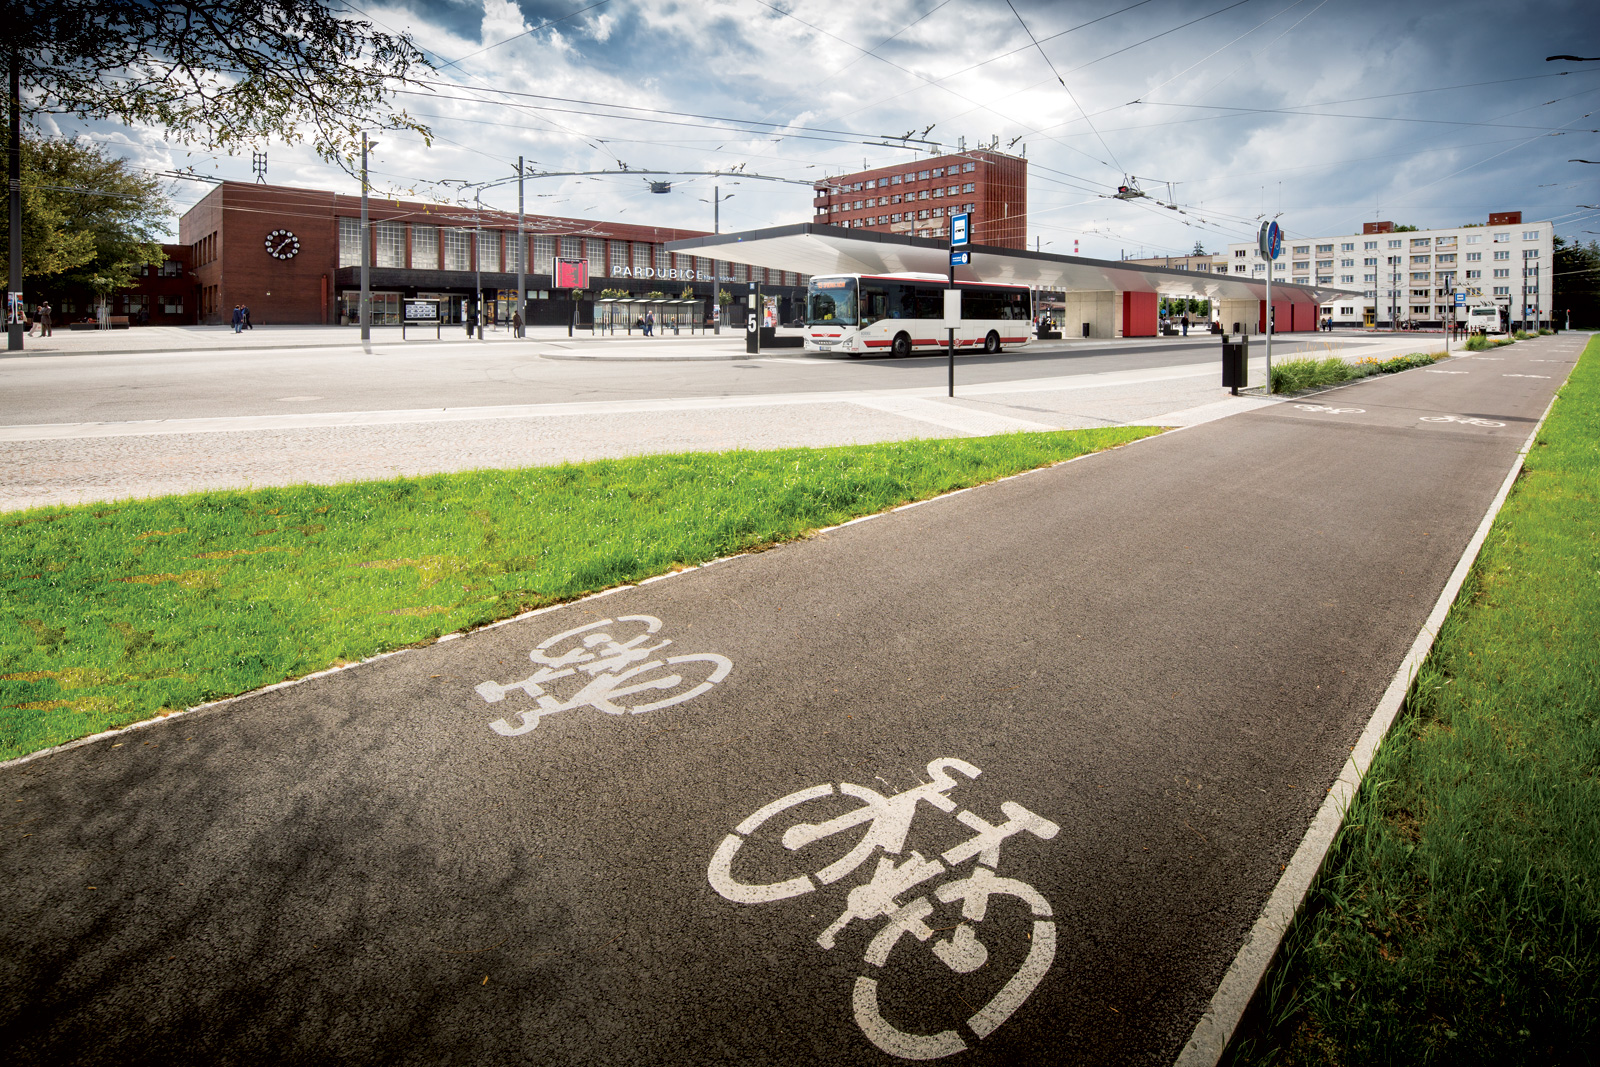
{"x":1463,"y":419}
{"x":1525,"y":376}
{"x":1430,"y":370}
{"x":608,"y":663}
{"x":877,"y":899}
{"x":1331,"y":411}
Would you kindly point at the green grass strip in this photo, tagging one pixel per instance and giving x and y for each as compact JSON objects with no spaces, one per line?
{"x":1458,"y":919}
{"x":1294,"y":375}
{"x":114,"y":613}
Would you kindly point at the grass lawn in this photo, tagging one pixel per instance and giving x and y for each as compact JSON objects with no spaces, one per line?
{"x":115,"y":613}
{"x":1458,"y":919}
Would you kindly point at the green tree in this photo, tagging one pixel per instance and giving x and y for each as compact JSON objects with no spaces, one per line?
{"x":1577,"y":282}
{"x":1405,"y":229}
{"x":87,"y":219}
{"x":224,"y":74}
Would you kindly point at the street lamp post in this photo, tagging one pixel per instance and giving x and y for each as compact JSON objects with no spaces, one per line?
{"x":716,"y":227}
{"x":477,"y":262}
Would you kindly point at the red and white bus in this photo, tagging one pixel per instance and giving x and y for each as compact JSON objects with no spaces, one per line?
{"x":904,"y":313}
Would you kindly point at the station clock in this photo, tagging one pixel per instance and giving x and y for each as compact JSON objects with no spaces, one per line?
{"x":282,"y":244}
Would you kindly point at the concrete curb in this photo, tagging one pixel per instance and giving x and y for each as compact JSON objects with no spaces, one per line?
{"x":1218,"y":1024}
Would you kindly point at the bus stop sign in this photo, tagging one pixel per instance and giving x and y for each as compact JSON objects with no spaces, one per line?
{"x":959,"y":230}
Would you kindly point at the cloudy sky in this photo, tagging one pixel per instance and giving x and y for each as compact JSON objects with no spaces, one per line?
{"x":1323,"y":113}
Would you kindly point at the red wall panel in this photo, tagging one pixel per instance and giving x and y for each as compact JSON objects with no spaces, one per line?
{"x":1140,"y":314}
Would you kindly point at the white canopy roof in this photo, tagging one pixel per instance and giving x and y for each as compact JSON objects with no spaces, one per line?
{"x":811,"y":248}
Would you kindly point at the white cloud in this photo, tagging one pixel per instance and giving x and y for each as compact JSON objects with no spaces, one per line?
{"x":830,"y":105}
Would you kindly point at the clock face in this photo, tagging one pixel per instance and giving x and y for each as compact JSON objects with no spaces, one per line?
{"x":281,"y":244}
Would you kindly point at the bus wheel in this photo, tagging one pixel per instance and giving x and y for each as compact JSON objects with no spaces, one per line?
{"x":902,"y":344}
{"x":991,"y":344}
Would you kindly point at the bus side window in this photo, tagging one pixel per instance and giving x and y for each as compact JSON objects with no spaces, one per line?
{"x":875,"y":305}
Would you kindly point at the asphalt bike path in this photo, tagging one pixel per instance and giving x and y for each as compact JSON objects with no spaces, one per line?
{"x":1004,"y":777}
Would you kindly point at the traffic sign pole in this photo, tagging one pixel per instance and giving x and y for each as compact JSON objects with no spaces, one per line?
{"x":1271,"y":241}
{"x":960,"y":235}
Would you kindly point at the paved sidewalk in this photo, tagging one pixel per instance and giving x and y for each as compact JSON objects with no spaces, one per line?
{"x":80,"y":462}
{"x":63,"y":463}
{"x":549,"y":339}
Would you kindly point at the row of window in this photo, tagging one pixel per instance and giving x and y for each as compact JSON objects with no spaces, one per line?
{"x":1416,"y":242}
{"x":909,"y":216}
{"x":884,"y":201}
{"x":451,"y":248}
{"x":897,"y":179}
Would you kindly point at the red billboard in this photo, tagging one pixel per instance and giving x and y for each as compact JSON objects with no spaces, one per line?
{"x":572,"y":274}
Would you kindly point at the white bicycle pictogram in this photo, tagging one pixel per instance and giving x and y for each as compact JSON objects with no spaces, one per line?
{"x":601,"y":671}
{"x":1331,"y":411}
{"x":1464,"y":420}
{"x":887,"y":821}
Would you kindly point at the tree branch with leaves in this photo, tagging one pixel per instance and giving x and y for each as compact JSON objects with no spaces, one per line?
{"x":223,"y":75}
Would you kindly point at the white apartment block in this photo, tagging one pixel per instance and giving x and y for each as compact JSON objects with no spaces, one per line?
{"x":1411,"y":277}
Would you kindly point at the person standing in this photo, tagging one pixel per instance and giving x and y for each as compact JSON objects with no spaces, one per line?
{"x":1185,"y":321}
{"x":44,"y":318}
{"x":246,"y":312}
{"x":238,"y":318}
{"x":516,"y":323}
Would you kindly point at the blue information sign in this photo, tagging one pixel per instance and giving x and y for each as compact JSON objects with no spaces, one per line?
{"x":960,"y":259}
{"x":959,"y":230}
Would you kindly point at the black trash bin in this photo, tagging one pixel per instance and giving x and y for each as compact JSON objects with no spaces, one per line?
{"x":1086,"y":329}
{"x":1235,"y":355}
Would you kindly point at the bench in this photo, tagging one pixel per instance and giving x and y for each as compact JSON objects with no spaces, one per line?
{"x":117,"y":322}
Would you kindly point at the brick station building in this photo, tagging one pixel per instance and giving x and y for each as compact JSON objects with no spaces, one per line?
{"x":917,"y":198}
{"x":293,"y":256}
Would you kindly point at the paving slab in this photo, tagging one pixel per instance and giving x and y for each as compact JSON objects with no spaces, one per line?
{"x":1003,"y":777}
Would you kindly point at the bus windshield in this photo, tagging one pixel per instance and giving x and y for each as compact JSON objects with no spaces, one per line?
{"x":831,"y":301}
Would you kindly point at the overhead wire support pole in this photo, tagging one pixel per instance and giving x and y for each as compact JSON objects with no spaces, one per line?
{"x":13,"y":303}
{"x":522,"y":255}
{"x":366,"y":250}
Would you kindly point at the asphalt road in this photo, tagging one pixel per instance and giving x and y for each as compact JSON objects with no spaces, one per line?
{"x":1157,"y":657}
{"x":73,"y":388}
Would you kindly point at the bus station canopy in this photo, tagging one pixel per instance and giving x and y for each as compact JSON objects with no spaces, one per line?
{"x":813,"y":248}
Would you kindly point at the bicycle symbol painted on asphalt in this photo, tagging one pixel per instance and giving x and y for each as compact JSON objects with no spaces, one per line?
{"x":1462,"y":419}
{"x":887,"y":821}
{"x":588,"y":667}
{"x":1331,"y":411}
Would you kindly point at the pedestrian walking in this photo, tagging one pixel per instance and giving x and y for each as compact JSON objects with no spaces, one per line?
{"x":649,"y":323}
{"x":238,"y":318}
{"x":1185,"y":321}
{"x":44,"y":318}
{"x":246,"y":310}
